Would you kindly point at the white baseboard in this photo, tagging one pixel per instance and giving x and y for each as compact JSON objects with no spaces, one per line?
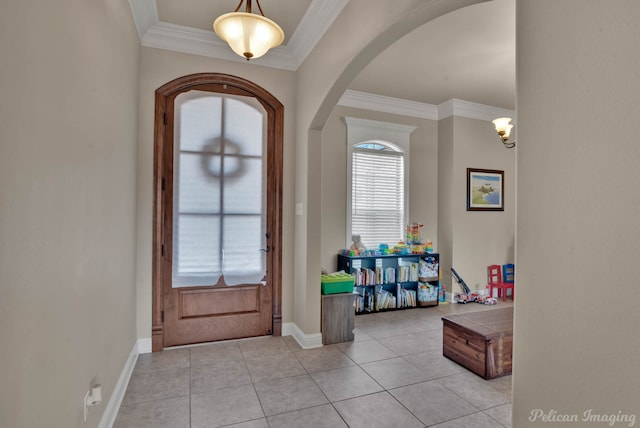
{"x":113,"y":406}
{"x":306,"y":341}
{"x":144,"y":346}
{"x":288,"y":329}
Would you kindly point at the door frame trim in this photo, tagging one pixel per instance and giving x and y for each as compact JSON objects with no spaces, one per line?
{"x":223,"y":83}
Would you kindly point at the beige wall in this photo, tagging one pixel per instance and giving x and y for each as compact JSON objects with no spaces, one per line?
{"x":424,"y":187}
{"x":576,"y":318}
{"x":446,"y":197}
{"x":68,"y":125}
{"x":472,"y":240}
{"x":480,"y":238}
{"x":158,"y":67}
{"x":423,"y":180}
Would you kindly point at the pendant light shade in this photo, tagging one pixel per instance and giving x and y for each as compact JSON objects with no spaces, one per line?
{"x":249,"y":35}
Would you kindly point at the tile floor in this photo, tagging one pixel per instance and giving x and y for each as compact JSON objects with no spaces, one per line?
{"x":392,"y":375}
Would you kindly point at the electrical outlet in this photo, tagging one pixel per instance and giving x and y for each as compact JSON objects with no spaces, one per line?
{"x":91,"y":398}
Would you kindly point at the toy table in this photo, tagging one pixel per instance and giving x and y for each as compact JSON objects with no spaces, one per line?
{"x":480,"y":341}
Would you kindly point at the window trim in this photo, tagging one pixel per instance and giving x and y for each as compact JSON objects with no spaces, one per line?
{"x":393,"y":135}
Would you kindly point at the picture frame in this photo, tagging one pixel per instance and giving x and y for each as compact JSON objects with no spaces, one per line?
{"x":485,"y":189}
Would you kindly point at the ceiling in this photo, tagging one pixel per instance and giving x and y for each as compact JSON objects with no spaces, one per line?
{"x":468,"y":54}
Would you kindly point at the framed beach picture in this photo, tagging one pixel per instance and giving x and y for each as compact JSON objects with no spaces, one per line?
{"x":485,"y":190}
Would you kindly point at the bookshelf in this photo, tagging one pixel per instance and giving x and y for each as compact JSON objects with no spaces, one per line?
{"x":392,"y":282}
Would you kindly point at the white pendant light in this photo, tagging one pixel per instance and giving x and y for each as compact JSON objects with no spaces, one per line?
{"x":249,"y":35}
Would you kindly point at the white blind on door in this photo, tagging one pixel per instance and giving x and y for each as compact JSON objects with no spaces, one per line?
{"x":219,"y":202}
{"x":377,"y":196}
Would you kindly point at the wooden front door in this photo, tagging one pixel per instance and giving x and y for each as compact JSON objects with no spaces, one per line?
{"x":217,"y":222}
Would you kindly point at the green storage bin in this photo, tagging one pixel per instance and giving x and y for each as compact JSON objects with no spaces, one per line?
{"x":340,"y":283}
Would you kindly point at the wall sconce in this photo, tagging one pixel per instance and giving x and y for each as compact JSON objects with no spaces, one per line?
{"x":503,"y":128}
{"x":249,"y":35}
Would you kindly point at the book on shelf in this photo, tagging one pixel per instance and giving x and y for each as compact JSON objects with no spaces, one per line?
{"x":364,"y":276}
{"x":406,"y":298}
{"x":389,"y":275}
{"x":364,"y":301}
{"x":408,"y":272}
{"x":385,"y":300}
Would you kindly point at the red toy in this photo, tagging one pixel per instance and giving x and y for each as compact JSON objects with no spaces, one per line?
{"x":467,"y":296}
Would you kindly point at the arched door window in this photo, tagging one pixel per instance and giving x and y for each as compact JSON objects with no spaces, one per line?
{"x":217,"y":211}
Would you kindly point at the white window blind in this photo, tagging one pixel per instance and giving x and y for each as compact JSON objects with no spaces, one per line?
{"x":377,"y":195}
{"x":219,"y":204}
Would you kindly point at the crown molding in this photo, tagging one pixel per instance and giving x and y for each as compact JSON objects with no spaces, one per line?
{"x":471,"y":110}
{"x":194,"y":41}
{"x":145,"y":15}
{"x":452,"y":107}
{"x":154,"y":33}
{"x":367,"y":101}
{"x":378,"y":125}
{"x":315,"y":22}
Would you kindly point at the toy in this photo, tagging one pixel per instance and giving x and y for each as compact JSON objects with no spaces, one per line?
{"x":413,"y":233}
{"x":486,"y":300}
{"x":429,"y":247}
{"x":401,"y":248}
{"x":357,"y":246}
{"x":468,"y":296}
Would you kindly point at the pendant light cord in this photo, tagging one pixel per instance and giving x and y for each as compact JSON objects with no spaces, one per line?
{"x":248,"y":8}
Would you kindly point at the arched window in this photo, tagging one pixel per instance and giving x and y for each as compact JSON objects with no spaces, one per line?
{"x":219,"y":192}
{"x":377,"y":181}
{"x":377,"y":193}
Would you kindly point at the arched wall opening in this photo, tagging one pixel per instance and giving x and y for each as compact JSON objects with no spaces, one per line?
{"x":320,"y":86}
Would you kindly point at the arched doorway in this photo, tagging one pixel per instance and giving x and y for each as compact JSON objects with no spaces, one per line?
{"x":217,"y":222}
{"x":320,"y":85}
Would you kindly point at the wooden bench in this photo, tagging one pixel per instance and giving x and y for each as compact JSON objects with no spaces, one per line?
{"x":480,"y":341}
